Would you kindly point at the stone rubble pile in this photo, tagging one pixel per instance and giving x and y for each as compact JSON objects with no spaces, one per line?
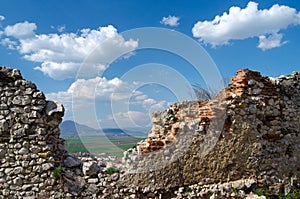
{"x":234,"y":189}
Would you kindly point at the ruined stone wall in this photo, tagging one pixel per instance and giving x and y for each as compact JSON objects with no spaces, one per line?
{"x":30,"y":147}
{"x":246,"y":137}
{"x":259,"y":139}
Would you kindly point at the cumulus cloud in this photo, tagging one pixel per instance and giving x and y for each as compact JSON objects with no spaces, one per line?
{"x":8,"y":43}
{"x":61,"y":55}
{"x":24,"y":30}
{"x":2,"y":17}
{"x":105,"y":90}
{"x":170,"y":21}
{"x":82,"y":95}
{"x":271,"y":41}
{"x":242,"y":23}
{"x":129,"y":119}
{"x":124,"y":120}
{"x":89,"y":89}
{"x":148,"y":103}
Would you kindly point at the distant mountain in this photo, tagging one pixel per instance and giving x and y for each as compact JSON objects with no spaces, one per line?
{"x":113,"y":131}
{"x":71,"y":129}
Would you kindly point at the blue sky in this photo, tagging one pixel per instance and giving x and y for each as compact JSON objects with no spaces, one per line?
{"x":50,"y":40}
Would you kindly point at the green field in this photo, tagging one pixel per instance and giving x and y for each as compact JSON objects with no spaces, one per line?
{"x":113,"y":145}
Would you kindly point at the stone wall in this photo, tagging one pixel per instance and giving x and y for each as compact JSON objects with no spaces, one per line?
{"x":246,"y":138}
{"x":30,"y":147}
{"x":259,"y":138}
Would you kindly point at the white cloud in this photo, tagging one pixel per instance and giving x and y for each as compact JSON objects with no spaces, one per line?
{"x":239,"y":24}
{"x":81,"y":96}
{"x":124,"y":120}
{"x":2,"y":17}
{"x":65,"y":70}
{"x":170,"y":20}
{"x":130,"y":117}
{"x":271,"y":41}
{"x":61,"y":28}
{"x":90,"y":89}
{"x":24,"y":30}
{"x":141,"y":97}
{"x":104,"y":89}
{"x":61,"y":55}
{"x":8,"y":43}
{"x":148,"y":103}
